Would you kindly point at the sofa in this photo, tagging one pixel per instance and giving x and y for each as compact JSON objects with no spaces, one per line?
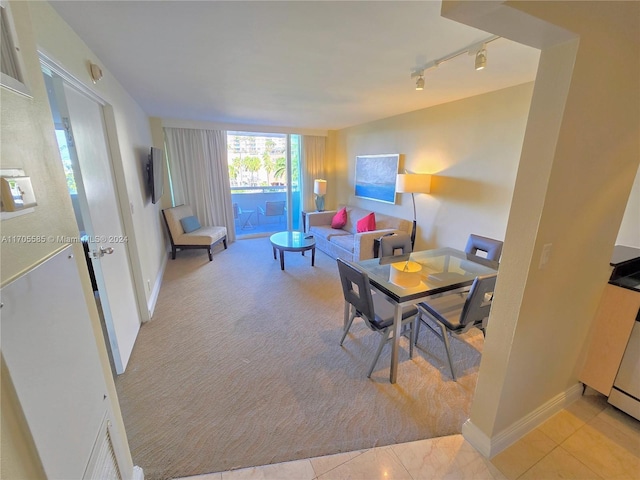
{"x":345,"y":242}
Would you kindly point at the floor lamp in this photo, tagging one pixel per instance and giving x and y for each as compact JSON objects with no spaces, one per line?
{"x":413,"y":183}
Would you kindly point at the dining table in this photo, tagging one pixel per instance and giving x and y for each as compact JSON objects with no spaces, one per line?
{"x":407,"y":280}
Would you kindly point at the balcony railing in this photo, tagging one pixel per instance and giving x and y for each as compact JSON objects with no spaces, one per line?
{"x":249,"y":199}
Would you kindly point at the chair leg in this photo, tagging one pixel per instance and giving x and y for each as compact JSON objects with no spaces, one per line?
{"x":173,"y":253}
{"x":210,"y":254}
{"x":383,"y":340}
{"x":412,"y":336}
{"x":348,"y":326}
{"x":347,"y":311}
{"x":417,"y":332}
{"x":445,"y":338}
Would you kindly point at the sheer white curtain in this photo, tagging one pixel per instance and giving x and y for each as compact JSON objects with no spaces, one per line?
{"x":200,"y":174}
{"x":313,"y":166}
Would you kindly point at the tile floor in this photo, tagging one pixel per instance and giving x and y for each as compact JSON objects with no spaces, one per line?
{"x":587,"y":440}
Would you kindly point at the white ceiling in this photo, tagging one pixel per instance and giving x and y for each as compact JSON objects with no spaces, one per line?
{"x":302,"y":64}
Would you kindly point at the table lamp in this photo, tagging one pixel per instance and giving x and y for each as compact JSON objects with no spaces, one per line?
{"x":320,"y":189}
{"x":413,"y":183}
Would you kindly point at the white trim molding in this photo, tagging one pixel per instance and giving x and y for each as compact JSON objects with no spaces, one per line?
{"x":491,"y":446}
{"x":138,"y":473}
{"x":153,"y":298}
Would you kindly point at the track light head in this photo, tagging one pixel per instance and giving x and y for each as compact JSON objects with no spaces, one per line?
{"x":481,"y":58}
{"x":420,"y":83}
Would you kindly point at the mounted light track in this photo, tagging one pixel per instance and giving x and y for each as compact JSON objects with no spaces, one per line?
{"x":478,"y":49}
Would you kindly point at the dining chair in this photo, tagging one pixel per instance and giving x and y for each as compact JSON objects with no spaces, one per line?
{"x":390,"y":244}
{"x":491,"y":247}
{"x":455,"y":314}
{"x":376,"y":311}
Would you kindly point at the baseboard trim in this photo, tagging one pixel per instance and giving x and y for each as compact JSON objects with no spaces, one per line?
{"x":153,"y":298}
{"x":490,"y":447}
{"x":138,"y":473}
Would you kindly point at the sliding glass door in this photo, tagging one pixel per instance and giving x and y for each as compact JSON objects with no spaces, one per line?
{"x":264,"y":175}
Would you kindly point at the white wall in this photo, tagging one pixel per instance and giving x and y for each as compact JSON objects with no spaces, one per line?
{"x":629,"y":234}
{"x":471,"y":146}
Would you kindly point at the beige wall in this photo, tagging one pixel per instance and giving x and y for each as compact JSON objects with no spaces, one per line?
{"x":580,"y":156}
{"x":28,"y":142}
{"x":471,"y":146}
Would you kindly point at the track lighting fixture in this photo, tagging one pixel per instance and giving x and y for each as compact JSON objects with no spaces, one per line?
{"x":481,"y":58}
{"x":477,"y":49}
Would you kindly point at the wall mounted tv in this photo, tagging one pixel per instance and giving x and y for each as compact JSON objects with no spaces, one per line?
{"x":155,"y":168}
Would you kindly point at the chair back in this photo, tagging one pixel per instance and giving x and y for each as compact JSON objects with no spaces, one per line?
{"x":274,"y":208}
{"x":356,"y":289}
{"x":478,"y":303}
{"x":493,"y":248}
{"x":398,"y":241}
{"x":172,"y":217}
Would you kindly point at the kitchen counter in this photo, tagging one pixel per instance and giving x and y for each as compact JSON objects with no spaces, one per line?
{"x":626,"y":267}
{"x":623,"y":254}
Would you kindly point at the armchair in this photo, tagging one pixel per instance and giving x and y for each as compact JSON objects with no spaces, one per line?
{"x":273,"y":209}
{"x":185,"y":231}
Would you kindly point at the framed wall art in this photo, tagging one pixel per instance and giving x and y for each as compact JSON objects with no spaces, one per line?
{"x":376,"y":177}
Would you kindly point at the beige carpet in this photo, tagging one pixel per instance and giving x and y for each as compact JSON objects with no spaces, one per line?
{"x":241,"y":366}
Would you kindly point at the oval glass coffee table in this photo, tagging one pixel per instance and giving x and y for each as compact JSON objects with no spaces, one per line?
{"x":293,"y":241}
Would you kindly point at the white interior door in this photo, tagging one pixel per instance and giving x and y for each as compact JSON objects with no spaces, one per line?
{"x":103,"y":224}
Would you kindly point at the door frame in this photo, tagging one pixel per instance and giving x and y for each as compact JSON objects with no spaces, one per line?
{"x":115,"y":161}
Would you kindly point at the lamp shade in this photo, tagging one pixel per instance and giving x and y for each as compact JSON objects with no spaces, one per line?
{"x":319,"y":187}
{"x":413,"y":183}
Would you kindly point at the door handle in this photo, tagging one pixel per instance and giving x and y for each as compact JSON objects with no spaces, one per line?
{"x":102,"y":252}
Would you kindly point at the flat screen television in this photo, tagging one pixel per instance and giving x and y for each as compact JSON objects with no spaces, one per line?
{"x":155,"y":168}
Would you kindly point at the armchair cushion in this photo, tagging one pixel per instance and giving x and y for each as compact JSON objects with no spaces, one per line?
{"x":367,"y":223}
{"x":189,"y":224}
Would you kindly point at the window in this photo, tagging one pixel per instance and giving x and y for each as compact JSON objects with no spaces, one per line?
{"x":11,"y":70}
{"x":264,"y":169}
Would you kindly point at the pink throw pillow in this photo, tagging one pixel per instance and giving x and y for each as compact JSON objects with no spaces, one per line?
{"x":339,"y":220}
{"x":366,"y":224}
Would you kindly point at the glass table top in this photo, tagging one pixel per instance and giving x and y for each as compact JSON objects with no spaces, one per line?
{"x":427,"y":272}
{"x":291,"y":240}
